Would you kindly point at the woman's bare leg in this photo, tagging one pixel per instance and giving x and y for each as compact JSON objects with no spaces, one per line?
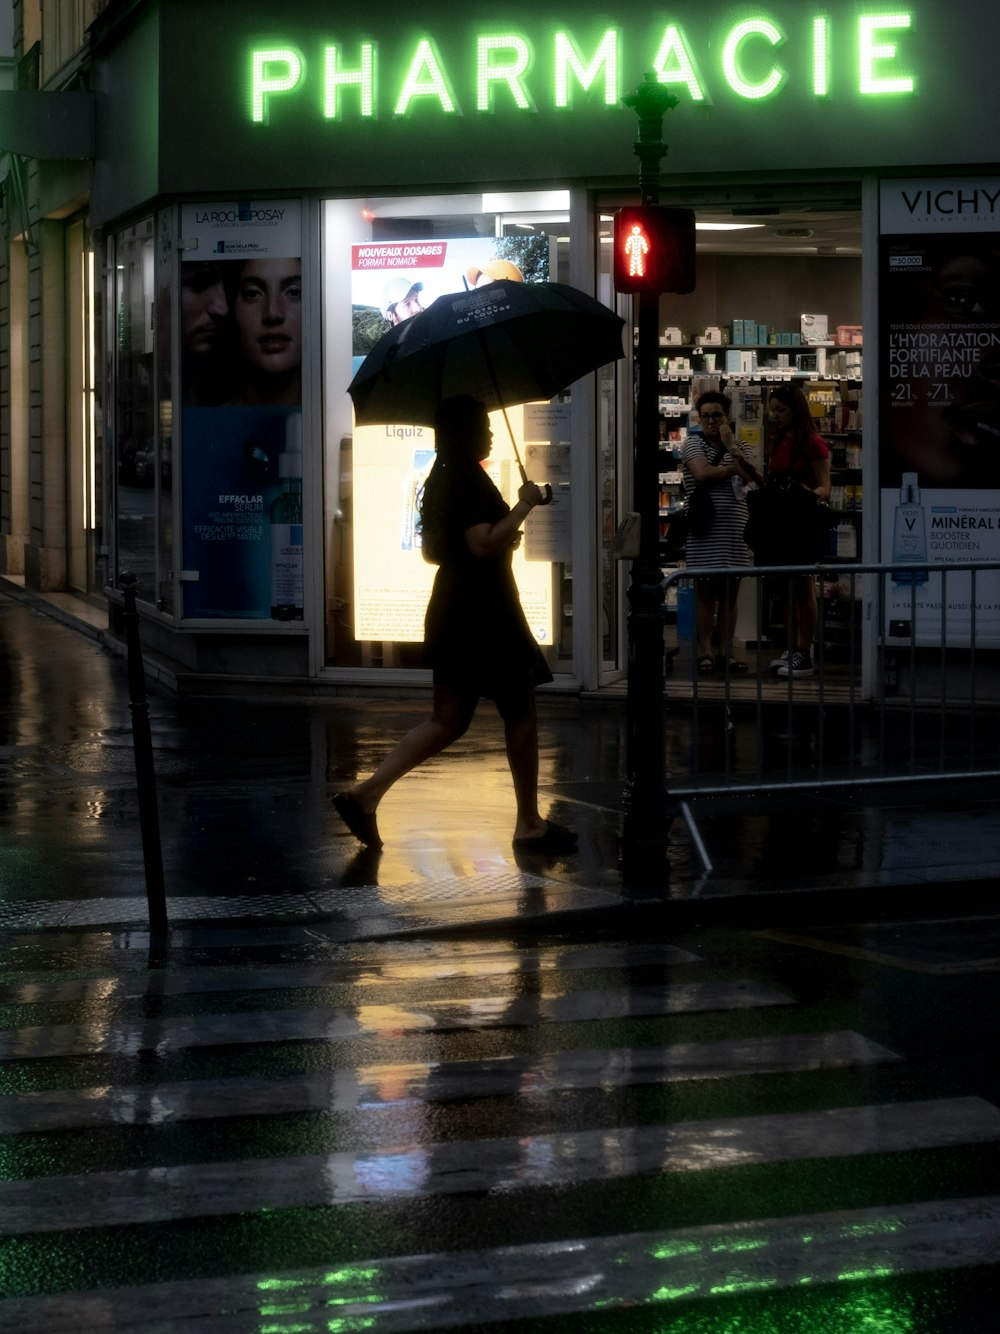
{"x":727,"y":615}
{"x":704,"y":616}
{"x":453,"y":712}
{"x":806,"y":613}
{"x":520,"y":721}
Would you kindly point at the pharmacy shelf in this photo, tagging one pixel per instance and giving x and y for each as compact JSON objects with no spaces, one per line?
{"x":763,"y":347}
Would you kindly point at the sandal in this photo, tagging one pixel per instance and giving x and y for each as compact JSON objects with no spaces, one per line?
{"x":555,"y":839}
{"x":705,"y":666}
{"x":362,"y":824}
{"x":736,"y":668}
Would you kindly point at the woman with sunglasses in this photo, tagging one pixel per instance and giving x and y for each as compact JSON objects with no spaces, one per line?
{"x":716,"y":459}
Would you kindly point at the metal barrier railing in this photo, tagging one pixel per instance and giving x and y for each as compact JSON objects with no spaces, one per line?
{"x":904,"y":688}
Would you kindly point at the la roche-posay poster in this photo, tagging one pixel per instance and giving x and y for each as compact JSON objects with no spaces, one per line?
{"x":939,"y":418}
{"x":392,"y":282}
{"x":241,"y":414}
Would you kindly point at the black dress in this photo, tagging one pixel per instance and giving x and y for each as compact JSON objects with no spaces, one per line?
{"x":476,"y":637}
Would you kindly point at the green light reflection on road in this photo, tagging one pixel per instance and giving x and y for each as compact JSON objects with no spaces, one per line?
{"x":338,"y":1325}
{"x":671,"y":1249}
{"x":742,"y":1285}
{"x":738,"y":1244}
{"x":671,"y":1294}
{"x":853,"y":1275}
{"x":863,"y":1312}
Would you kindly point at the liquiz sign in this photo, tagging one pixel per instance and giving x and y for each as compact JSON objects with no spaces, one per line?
{"x":753,"y":59}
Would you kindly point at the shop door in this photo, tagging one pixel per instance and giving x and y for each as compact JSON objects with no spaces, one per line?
{"x":385,"y":260}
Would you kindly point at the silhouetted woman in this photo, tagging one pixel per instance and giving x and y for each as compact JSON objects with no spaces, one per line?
{"x":476,"y":639}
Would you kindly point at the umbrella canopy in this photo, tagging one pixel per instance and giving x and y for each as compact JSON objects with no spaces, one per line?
{"x":505,"y":343}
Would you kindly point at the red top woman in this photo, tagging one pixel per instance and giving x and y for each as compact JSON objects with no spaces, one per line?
{"x":800,"y":455}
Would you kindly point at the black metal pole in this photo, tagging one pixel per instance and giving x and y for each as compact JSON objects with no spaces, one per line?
{"x":142,"y":743}
{"x":646,"y":827}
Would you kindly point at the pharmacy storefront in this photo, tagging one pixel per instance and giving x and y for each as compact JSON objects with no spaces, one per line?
{"x":278,"y":186}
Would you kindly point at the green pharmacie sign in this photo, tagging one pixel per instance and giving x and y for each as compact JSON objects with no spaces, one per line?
{"x":502,"y":69}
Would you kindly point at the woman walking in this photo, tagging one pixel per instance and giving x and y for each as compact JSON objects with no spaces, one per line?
{"x":476,"y":639}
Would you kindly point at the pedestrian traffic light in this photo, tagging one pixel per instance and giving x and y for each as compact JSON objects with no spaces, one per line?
{"x":654,"y":249}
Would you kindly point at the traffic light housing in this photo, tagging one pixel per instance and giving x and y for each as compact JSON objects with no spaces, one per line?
{"x":654,"y":249}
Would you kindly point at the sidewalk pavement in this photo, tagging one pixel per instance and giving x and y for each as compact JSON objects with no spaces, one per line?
{"x":248,"y":831}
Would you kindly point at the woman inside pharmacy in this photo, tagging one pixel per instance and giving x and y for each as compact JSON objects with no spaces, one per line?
{"x":797,"y":452}
{"x":717,"y":460}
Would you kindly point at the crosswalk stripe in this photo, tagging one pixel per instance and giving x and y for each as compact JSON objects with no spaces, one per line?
{"x":125,"y":1038}
{"x":382,"y":971}
{"x":105,"y":1199}
{"x":385,"y":1085}
{"x":450,"y":1290}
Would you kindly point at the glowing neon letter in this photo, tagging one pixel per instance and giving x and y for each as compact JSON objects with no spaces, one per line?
{"x":425,"y":78}
{"x":674,"y":48}
{"x":730,"y":52}
{"x":821,"y":62}
{"x":263,"y":83}
{"x":363,"y":78}
{"x":490,"y":70}
{"x":871,"y":50}
{"x":568,"y":58}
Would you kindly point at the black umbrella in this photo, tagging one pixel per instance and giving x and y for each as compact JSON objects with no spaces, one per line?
{"x":505,"y":343}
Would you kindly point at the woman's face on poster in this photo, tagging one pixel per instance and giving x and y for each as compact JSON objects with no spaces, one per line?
{"x":268,"y":314}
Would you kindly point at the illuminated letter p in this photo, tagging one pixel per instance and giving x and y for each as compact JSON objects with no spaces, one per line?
{"x":267,"y":79}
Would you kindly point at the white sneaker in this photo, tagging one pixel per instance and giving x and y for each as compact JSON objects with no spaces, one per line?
{"x":799,"y":664}
{"x":775,"y":663}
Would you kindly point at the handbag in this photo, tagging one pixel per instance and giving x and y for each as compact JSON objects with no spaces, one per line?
{"x":696,"y":515}
{"x":692,"y":519}
{"x":787,"y":524}
{"x":700,"y":511}
{"x":677,"y":533}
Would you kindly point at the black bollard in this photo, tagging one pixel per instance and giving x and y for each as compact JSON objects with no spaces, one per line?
{"x":142,"y":742}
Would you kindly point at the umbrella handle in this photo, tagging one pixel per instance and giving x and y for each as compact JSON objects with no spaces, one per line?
{"x":544,"y":487}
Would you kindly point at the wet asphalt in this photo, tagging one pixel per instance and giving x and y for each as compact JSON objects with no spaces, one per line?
{"x":444,"y":1087}
{"x":242,"y":791}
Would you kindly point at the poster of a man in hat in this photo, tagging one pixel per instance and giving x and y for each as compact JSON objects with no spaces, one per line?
{"x":401,"y":299}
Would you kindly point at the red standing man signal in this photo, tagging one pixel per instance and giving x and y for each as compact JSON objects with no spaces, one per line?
{"x":654,"y":249}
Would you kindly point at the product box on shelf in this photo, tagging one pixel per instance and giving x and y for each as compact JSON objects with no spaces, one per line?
{"x":849,"y":335}
{"x":817,"y":360}
{"x":744,"y":331}
{"x":815,"y":329}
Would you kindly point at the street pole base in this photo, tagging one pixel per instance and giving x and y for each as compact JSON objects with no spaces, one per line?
{"x":642,"y":847}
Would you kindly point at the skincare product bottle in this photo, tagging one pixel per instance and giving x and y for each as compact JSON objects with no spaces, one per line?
{"x":286,"y":529}
{"x":846,"y":541}
{"x":909,"y":533}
